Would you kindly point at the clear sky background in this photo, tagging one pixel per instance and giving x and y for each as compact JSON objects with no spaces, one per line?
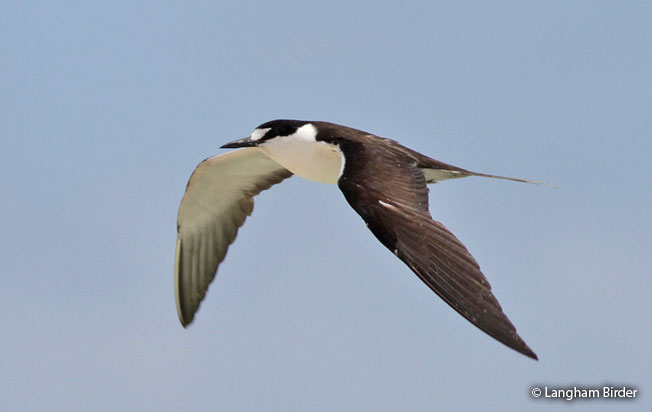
{"x":107,"y":107}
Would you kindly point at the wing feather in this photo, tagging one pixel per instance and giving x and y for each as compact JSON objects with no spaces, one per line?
{"x":218,"y":199}
{"x":388,"y":190}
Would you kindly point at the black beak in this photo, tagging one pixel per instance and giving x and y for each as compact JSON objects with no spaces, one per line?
{"x":246,"y":142}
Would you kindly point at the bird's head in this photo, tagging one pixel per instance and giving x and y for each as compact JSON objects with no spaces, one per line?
{"x":266,"y":132}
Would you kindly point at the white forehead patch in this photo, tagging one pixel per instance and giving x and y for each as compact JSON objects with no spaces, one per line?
{"x":259,"y":133}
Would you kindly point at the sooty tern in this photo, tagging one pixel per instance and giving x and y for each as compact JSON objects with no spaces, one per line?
{"x":385,"y":182}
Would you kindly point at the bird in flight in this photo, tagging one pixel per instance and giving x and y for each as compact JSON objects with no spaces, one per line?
{"x":383,"y":181}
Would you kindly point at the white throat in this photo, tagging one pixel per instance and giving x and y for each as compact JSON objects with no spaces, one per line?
{"x":304,"y":156}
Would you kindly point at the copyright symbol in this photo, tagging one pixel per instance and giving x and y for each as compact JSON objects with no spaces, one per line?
{"x":536,"y":392}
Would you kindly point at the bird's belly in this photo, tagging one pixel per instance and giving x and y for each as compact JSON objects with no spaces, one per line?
{"x":317,"y":161}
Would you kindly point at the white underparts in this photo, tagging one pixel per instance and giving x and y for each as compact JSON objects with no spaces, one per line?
{"x":304,"y":156}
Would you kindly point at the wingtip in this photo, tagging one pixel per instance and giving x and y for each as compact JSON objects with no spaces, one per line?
{"x":530,"y":354}
{"x":185,"y":320}
{"x":522,"y":347}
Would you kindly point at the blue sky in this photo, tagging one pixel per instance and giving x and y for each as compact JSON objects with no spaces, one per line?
{"x":106,"y":108}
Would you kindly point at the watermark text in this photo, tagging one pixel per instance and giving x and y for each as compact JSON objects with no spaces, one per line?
{"x":576,"y":392}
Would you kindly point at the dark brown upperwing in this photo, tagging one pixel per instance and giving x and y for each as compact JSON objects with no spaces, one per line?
{"x":382,"y":182}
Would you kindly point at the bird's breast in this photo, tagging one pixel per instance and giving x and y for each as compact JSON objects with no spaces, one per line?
{"x":310,"y":159}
